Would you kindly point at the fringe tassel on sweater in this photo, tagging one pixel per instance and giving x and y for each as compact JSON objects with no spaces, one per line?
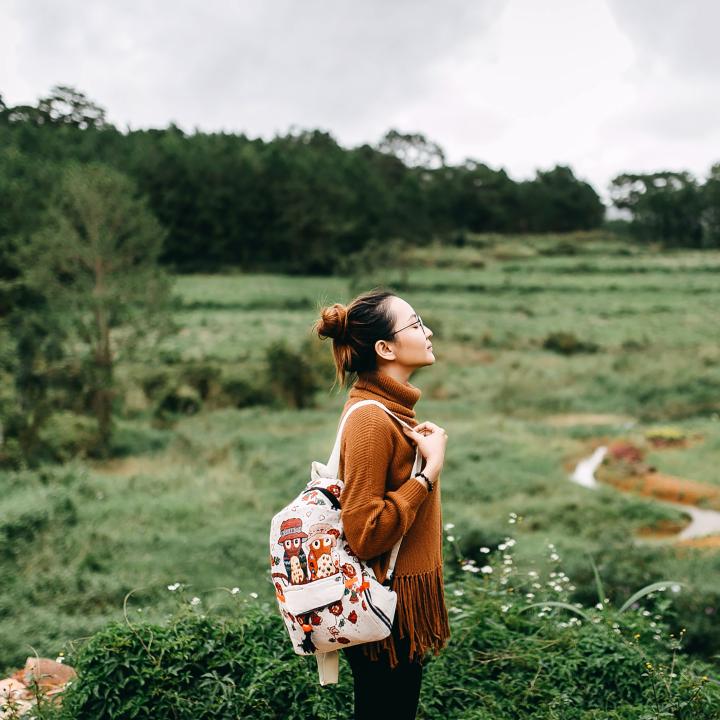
{"x":421,"y":617}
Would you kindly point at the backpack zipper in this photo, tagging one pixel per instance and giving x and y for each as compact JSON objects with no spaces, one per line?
{"x":383,"y":617}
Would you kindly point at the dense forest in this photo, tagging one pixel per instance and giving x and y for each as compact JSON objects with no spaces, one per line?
{"x":300,"y":201}
{"x":292,"y":204}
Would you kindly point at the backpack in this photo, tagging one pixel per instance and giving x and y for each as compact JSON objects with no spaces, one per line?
{"x":327,"y":596}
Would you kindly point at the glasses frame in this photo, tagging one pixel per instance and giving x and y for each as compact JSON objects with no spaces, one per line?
{"x":414,"y":322}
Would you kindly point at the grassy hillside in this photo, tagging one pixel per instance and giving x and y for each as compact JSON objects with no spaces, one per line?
{"x":533,"y":337}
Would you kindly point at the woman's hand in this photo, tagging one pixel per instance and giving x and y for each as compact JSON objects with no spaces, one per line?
{"x":431,"y":441}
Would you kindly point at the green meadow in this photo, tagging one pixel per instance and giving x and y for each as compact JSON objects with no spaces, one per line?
{"x":545,"y":347}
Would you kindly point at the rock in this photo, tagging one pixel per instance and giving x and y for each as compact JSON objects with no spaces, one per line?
{"x":14,"y":697}
{"x":49,"y":673}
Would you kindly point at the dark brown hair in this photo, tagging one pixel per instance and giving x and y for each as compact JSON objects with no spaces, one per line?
{"x":354,"y":329}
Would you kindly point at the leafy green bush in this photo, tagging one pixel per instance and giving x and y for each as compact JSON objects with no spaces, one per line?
{"x":240,"y":391}
{"x":518,"y":649}
{"x":66,"y":435}
{"x":567,"y":343}
{"x":290,"y":376}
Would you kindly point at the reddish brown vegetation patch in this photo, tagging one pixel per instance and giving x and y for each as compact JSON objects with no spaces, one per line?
{"x":671,"y":488}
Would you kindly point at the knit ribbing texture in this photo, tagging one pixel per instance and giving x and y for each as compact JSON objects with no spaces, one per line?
{"x":381,"y":503}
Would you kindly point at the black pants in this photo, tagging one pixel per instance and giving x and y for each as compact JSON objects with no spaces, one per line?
{"x":382,"y":693}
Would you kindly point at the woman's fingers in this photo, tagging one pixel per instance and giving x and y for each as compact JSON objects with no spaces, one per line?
{"x":429,"y":426}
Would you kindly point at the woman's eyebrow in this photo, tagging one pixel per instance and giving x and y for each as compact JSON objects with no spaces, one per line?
{"x":412,"y":316}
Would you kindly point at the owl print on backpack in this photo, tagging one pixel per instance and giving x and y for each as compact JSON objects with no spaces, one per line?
{"x":294,"y":558}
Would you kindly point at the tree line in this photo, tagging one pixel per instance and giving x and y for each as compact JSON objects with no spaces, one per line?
{"x":293,"y":204}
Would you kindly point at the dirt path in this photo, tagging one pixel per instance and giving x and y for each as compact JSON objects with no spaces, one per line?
{"x":704,"y":527}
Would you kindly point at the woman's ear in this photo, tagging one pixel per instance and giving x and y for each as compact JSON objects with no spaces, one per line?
{"x":384,"y":350}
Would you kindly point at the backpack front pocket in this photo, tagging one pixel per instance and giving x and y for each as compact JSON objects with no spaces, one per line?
{"x":315,"y":594}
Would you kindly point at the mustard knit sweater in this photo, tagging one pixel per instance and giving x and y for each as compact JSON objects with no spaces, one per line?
{"x":381,"y":503}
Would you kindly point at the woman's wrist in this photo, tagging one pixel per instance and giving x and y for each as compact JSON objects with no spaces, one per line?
{"x":432,"y":470}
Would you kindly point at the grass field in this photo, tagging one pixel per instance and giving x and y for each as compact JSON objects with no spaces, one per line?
{"x":191,"y":500}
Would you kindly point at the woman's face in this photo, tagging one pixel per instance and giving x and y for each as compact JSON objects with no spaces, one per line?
{"x":410,"y":343}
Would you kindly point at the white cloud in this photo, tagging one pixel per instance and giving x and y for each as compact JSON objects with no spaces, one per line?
{"x":604,"y":87}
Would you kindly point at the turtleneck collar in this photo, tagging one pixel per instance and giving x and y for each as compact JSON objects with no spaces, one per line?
{"x":399,"y":397}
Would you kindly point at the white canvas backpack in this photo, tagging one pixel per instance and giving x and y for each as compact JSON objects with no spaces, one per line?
{"x":328,"y":597}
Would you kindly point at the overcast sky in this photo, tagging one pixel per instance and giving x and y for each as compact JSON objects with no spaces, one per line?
{"x":604,"y":86}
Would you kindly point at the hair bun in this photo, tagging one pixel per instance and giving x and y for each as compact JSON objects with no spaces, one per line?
{"x":333,"y":322}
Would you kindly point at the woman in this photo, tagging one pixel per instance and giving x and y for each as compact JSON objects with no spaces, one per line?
{"x":379,"y":338}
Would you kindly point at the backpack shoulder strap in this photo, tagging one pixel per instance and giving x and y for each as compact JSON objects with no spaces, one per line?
{"x":333,"y":463}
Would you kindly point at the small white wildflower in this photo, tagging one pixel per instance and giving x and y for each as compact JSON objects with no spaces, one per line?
{"x":529,"y":596}
{"x":505,"y":608}
{"x":599,"y":606}
{"x":195,"y":601}
{"x":503,"y":581}
{"x":470,"y":568}
{"x":532,"y":574}
{"x":675,"y":588}
{"x":59,"y":659}
{"x":451,"y":538}
{"x":551,"y":546}
{"x":571,"y":587}
{"x":537,"y":586}
{"x":554,"y":556}
{"x":253,"y":595}
{"x":645,"y":612}
{"x":449,"y":526}
{"x":486,"y":569}
{"x":173,"y":587}
{"x":502,"y":546}
{"x":458,"y":592}
{"x":235,"y":590}
{"x":484,"y":550}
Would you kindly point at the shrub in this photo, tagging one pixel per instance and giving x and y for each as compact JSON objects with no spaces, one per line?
{"x":240,"y":391}
{"x":518,"y":649}
{"x":290,"y":377}
{"x":567,"y":343}
{"x":66,"y":435}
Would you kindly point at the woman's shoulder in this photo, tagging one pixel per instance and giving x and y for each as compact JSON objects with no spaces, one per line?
{"x":369,"y":419}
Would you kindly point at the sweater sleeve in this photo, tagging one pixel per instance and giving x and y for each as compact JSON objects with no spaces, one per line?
{"x":373,"y":519}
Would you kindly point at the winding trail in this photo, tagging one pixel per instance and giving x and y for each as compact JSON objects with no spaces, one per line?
{"x":702,"y":522}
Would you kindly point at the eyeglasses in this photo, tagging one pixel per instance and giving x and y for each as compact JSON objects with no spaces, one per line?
{"x":415,"y":322}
